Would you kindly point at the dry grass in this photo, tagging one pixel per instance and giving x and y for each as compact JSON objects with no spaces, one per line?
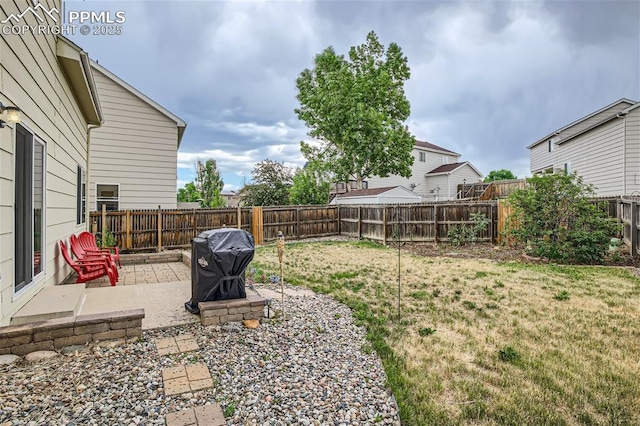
{"x":485,"y":343}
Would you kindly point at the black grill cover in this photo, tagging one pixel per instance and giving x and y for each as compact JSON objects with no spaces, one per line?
{"x":218,"y":260}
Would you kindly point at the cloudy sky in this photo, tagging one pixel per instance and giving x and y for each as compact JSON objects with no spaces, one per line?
{"x":487,"y":78}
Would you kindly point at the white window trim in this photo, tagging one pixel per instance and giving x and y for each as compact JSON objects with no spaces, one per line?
{"x":43,"y":253}
{"x":105,"y":183}
{"x":422,"y":156}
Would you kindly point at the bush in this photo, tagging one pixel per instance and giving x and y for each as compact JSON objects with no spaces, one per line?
{"x":555,"y":220}
{"x":460,"y":235}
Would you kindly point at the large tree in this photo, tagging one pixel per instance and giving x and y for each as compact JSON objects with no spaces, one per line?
{"x":309,"y":187}
{"x":271,"y":183}
{"x":502,"y":174}
{"x":355,"y":108}
{"x":209,"y":183}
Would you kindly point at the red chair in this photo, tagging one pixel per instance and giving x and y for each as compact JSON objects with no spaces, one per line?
{"x":88,"y":243}
{"x":88,"y":270}
{"x":90,"y":256}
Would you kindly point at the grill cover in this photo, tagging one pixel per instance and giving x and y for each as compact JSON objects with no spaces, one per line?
{"x":218,"y":260}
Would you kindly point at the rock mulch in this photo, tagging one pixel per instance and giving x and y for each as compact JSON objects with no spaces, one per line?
{"x":312,"y":368}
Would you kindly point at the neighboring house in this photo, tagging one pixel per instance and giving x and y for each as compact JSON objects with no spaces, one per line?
{"x":43,"y":159}
{"x":388,"y":195}
{"x":133,"y":157}
{"x":435,"y":174}
{"x":232,"y":198}
{"x":603,"y":148}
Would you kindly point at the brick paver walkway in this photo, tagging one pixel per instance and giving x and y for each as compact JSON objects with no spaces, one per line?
{"x":186,"y":378}
{"x":177,"y":344}
{"x":206,"y":415}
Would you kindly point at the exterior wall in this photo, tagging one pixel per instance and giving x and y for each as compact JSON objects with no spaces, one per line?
{"x":136,"y":147}
{"x":31,"y":79}
{"x":594,"y":120}
{"x":632,"y":142}
{"x":597,"y":156}
{"x":418,"y":172}
{"x":540,"y":158}
{"x":438,"y":181}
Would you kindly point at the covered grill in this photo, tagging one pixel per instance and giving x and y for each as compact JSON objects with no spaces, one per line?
{"x":218,"y":260}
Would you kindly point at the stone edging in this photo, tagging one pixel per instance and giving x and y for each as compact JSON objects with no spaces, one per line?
{"x":223,"y":311}
{"x":60,"y":332}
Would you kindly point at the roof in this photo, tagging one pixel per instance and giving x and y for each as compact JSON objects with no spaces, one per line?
{"x":179,"y":122}
{"x":629,"y":102}
{"x":450,"y":168}
{"x":75,"y":63}
{"x":431,"y":147}
{"x":366,"y":192}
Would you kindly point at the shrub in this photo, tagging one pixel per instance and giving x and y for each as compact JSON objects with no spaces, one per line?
{"x":462,"y":234}
{"x":555,"y":220}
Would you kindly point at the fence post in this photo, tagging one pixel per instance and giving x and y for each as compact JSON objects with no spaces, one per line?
{"x":491,"y":224}
{"x":127,"y":225}
{"x":94,"y":227}
{"x":239,"y":217}
{"x":104,"y":224}
{"x":339,"y":224}
{"x":435,"y":223}
{"x":634,"y":228}
{"x":298,"y":224}
{"x":359,"y":222}
{"x":257,"y":221}
{"x":384,"y":226}
{"x":159,"y":229}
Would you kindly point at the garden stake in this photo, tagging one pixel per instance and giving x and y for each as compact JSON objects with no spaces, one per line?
{"x":280,"y":245}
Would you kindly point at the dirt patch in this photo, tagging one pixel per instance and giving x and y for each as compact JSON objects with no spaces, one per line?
{"x":499,"y":253}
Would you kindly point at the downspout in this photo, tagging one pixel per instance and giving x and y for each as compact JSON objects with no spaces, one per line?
{"x":87,"y":189}
{"x":624,"y":151}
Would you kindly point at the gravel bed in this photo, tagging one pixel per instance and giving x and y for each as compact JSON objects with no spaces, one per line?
{"x":314,"y":368}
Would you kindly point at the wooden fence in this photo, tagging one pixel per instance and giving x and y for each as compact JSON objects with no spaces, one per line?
{"x":628,"y":214}
{"x":144,"y":230}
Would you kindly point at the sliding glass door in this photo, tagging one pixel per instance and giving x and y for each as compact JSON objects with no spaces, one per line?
{"x":29,"y":207}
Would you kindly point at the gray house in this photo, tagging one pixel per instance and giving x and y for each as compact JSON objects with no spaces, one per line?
{"x":133,"y":157}
{"x":435,"y":174}
{"x":602,"y":147}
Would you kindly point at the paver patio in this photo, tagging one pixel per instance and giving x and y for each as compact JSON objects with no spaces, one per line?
{"x":147,"y":273}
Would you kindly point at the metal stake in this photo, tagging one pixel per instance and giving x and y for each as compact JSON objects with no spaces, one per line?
{"x":280,"y":245}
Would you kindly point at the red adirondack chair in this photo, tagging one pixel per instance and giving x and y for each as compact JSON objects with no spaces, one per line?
{"x":82,"y":254}
{"x":88,"y":270}
{"x":88,"y":243}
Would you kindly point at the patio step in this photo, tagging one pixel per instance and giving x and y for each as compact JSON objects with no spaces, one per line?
{"x":58,"y":301}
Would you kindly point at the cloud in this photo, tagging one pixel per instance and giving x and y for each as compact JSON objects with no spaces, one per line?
{"x":487,"y":78}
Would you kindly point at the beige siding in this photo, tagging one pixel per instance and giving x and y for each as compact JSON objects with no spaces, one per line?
{"x":418,"y":172}
{"x":597,"y":156}
{"x":585,"y":124}
{"x":465,"y":174}
{"x":432,"y":183}
{"x":136,"y":147}
{"x":632,"y":141}
{"x":31,"y":78}
{"x":541,"y":158}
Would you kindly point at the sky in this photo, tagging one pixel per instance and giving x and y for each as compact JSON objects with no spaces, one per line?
{"x":488,"y":78}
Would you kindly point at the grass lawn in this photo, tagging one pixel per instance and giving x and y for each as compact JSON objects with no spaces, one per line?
{"x":486,"y":343}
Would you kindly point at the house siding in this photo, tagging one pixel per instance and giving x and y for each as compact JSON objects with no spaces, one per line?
{"x":31,"y":78}
{"x":541,"y":158}
{"x":136,"y":148}
{"x":632,"y":142}
{"x":597,"y":156}
{"x":418,"y":171}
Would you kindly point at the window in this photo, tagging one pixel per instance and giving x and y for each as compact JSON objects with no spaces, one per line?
{"x":423,"y":156}
{"x":551,"y":144}
{"x":567,"y":167}
{"x":445,"y":159}
{"x":81,"y":195}
{"x":29,"y":207}
{"x":109,"y":195}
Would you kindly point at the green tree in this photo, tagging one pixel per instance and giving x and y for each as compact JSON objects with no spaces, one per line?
{"x":356,"y":108}
{"x":554,"y":218}
{"x":271,"y":183}
{"x":189,"y":194}
{"x":209,"y":183}
{"x":309,"y":187}
{"x":502,"y":174}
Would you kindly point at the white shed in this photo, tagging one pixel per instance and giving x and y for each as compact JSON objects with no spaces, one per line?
{"x":388,"y":195}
